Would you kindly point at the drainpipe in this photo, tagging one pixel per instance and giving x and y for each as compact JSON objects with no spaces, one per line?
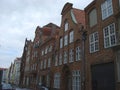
{"x":84,"y":35}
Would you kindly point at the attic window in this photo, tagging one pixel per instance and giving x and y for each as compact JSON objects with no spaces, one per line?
{"x":66,"y":26}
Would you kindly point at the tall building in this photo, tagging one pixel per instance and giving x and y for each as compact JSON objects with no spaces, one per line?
{"x":103,"y":27}
{"x":63,"y":58}
{"x":25,"y":63}
{"x":67,"y":67}
{"x":46,"y":54}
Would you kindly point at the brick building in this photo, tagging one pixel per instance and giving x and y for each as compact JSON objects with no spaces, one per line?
{"x":34,"y":58}
{"x":67,"y":65}
{"x":49,"y":33}
{"x":56,"y":55}
{"x":25,"y":64}
{"x":102,"y":42}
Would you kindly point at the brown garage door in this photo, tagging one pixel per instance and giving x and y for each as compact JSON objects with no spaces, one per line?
{"x":103,"y":76}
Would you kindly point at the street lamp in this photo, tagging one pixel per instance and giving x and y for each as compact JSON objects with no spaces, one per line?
{"x":84,"y":35}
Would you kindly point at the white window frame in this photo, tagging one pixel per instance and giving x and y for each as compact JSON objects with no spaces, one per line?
{"x":78,"y":53}
{"x":71,"y":55}
{"x":61,"y":42}
{"x":76,"y":80}
{"x":71,"y":35}
{"x":106,"y":9}
{"x":57,"y":80}
{"x":66,"y":26}
{"x":65,"y":57}
{"x":94,"y":42}
{"x":65,"y":40}
{"x":60,"y":59}
{"x":109,"y":38}
{"x":49,"y":62}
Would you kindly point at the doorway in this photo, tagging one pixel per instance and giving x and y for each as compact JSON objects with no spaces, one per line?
{"x":103,"y":76}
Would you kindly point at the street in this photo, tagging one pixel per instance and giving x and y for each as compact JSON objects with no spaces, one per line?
{"x":22,"y":89}
{"x":10,"y":87}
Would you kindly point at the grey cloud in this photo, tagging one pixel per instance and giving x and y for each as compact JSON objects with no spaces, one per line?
{"x":19,"y":19}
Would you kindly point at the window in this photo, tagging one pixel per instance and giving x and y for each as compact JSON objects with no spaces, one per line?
{"x":94,"y":42}
{"x":56,"y":60}
{"x":66,"y":26}
{"x":50,"y":48}
{"x":41,"y":64}
{"x":42,"y":52}
{"x":34,"y":53}
{"x":78,"y":53}
{"x":107,"y":9}
{"x":45,"y":63}
{"x":49,"y":62}
{"x":28,"y":52}
{"x":76,"y":80}
{"x":60,"y":59}
{"x":65,"y":57}
{"x":118,"y":65}
{"x":46,"y":50}
{"x":71,"y":55}
{"x":65,"y":40}
{"x":93,"y":17}
{"x":57,"y":80}
{"x":109,"y":36}
{"x":48,"y":81}
{"x":61,"y":42}
{"x":71,"y":35}
{"x":40,"y":80}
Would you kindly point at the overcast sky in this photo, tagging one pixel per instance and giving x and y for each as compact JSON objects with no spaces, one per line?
{"x":19,"y":19}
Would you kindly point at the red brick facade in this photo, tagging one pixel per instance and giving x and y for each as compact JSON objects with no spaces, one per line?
{"x":57,"y":53}
{"x":104,"y":56}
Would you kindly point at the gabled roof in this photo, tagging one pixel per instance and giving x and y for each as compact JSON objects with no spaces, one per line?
{"x":79,"y":16}
{"x":66,"y":7}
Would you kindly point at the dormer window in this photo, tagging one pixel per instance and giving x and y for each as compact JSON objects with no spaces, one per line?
{"x":66,"y":26}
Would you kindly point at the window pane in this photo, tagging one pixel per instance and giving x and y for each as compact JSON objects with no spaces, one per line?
{"x":107,"y":43}
{"x":112,"y":39}
{"x":109,"y":35}
{"x":76,"y":82}
{"x":107,"y":9}
{"x":94,"y":42}
{"x":71,"y":36}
